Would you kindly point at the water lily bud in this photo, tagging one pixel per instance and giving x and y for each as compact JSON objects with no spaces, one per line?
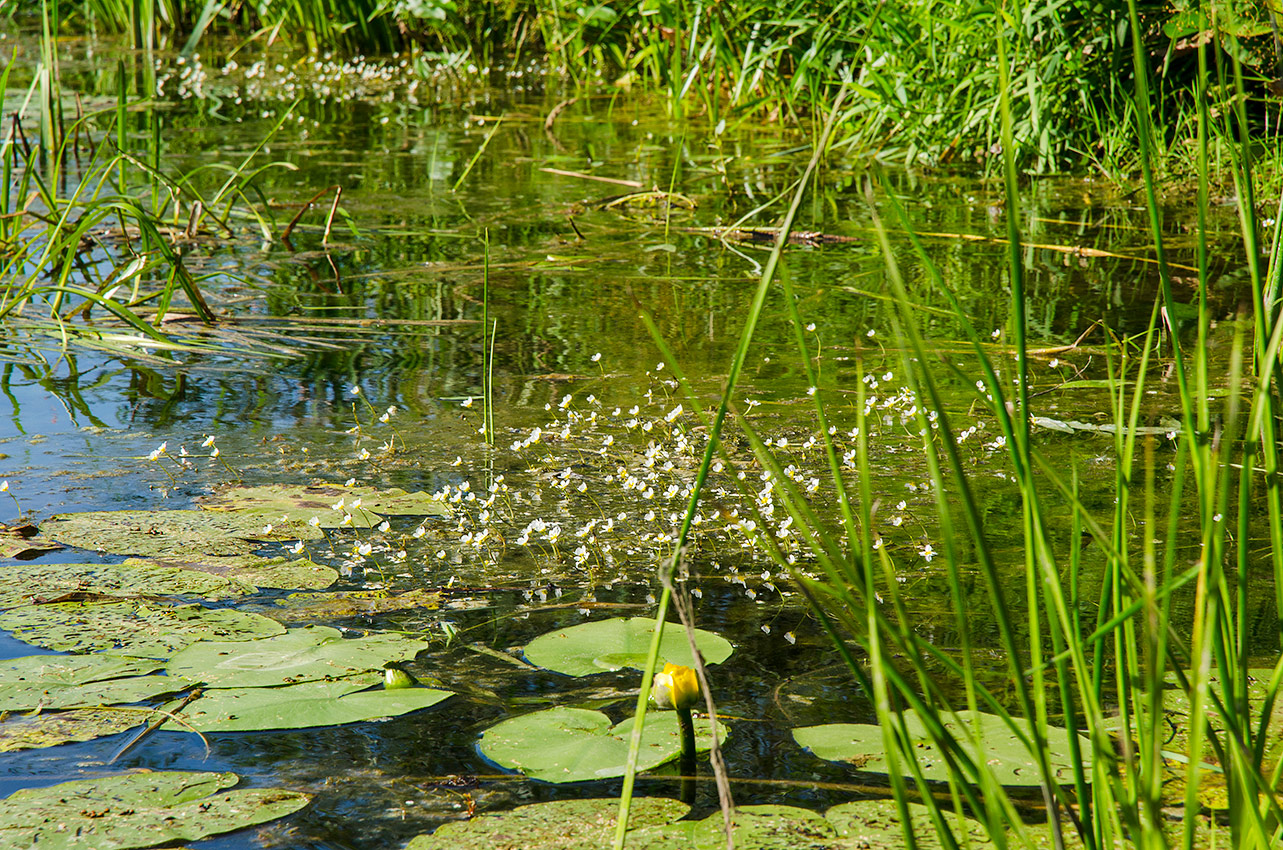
{"x":394,"y":678}
{"x":676,"y":687}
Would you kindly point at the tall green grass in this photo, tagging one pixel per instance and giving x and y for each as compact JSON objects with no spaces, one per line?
{"x":922,"y":76}
{"x":1110,"y":656}
{"x":93,"y":226}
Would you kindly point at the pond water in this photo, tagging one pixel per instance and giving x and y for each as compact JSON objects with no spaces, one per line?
{"x":463,"y":201}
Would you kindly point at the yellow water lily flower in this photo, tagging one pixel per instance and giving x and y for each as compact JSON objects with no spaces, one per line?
{"x":676,"y":687}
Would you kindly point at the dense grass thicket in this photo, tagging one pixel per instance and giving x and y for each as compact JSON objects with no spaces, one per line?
{"x":923,"y":73}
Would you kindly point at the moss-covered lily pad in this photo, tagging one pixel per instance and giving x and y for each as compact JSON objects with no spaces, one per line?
{"x":282,"y":573}
{"x":137,"y":810}
{"x":328,"y":503}
{"x":55,"y":582}
{"x":558,"y":825}
{"x":174,"y":534}
{"x":51,"y":728}
{"x":621,"y":642}
{"x":301,"y":706}
{"x":654,"y":825}
{"x":138,"y":629}
{"x":24,"y":542}
{"x":310,"y":607}
{"x":299,"y":655}
{"x":1008,"y":758}
{"x":575,"y":744}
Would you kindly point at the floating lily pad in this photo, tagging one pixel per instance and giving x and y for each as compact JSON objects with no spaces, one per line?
{"x":137,"y":810}
{"x":329,"y":503}
{"x":617,"y":643}
{"x":63,"y":582}
{"x":24,"y":542}
{"x":299,"y":655}
{"x":133,"y":628}
{"x":655,"y":825}
{"x":574,"y":744}
{"x":61,"y":681}
{"x":173,"y":534}
{"x":1008,"y":759}
{"x":558,"y":825}
{"x":51,"y":728}
{"x":301,"y":706}
{"x":311,"y":607}
{"x":283,"y":573}
{"x":876,"y":824}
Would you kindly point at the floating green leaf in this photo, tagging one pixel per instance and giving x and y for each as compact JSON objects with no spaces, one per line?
{"x":1004,"y":753}
{"x":558,"y":825}
{"x":133,"y":628}
{"x":574,"y":744}
{"x":137,"y":810}
{"x":655,"y":825}
{"x":352,"y":603}
{"x":51,"y":728}
{"x":23,"y":542}
{"x":299,"y":655}
{"x":49,"y":582}
{"x":329,"y":503}
{"x":301,"y":706}
{"x":605,"y":645}
{"x":283,"y":573}
{"x":114,"y":692}
{"x":173,"y":534}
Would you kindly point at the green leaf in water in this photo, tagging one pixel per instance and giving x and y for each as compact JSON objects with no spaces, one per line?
{"x":1004,"y":753}
{"x":282,"y":573}
{"x":137,"y":810}
{"x":655,"y":825}
{"x":135,"y":628}
{"x":310,"y":607}
{"x":174,"y":534}
{"x":329,"y":503}
{"x":51,"y":728}
{"x":301,"y":706}
{"x":299,"y":655}
{"x":43,"y":582}
{"x":557,"y":825}
{"x":604,"y":645}
{"x":574,"y":744}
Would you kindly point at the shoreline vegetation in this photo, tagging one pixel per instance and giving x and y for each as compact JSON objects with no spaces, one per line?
{"x":921,"y":75}
{"x":1137,"y":90}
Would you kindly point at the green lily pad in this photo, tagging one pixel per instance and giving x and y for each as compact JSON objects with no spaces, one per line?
{"x":310,"y":607}
{"x":282,"y":573}
{"x":329,"y":503}
{"x":52,"y":582}
{"x":299,"y":655}
{"x":557,"y":825}
{"x":61,"y":681}
{"x":24,"y":542}
{"x":51,"y":728}
{"x":876,"y":824}
{"x":301,"y":706}
{"x":174,"y":534}
{"x":604,"y":645}
{"x":575,"y":744}
{"x":114,"y":692}
{"x":1003,"y":752}
{"x":135,"y":628}
{"x":137,"y":810}
{"x":654,"y":825}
